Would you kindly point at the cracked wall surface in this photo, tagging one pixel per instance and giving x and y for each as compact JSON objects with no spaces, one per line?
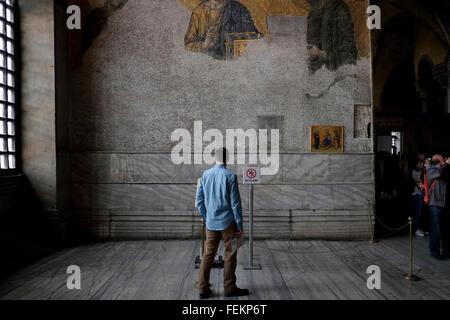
{"x":138,"y":84}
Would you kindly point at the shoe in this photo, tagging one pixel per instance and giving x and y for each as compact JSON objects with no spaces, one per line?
{"x":426,"y":234}
{"x":438,"y":256}
{"x":206,"y":295}
{"x":236,"y":292}
{"x":420,"y":233}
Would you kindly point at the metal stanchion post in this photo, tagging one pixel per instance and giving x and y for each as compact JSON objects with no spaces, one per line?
{"x":250,"y":224}
{"x":372,"y":237}
{"x":198,"y":259}
{"x":250,"y":233}
{"x":218,"y":261}
{"x":410,"y":276}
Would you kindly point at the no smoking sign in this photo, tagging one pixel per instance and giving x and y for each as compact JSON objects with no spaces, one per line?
{"x":251,"y":175}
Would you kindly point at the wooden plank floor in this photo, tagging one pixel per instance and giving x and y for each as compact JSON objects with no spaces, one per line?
{"x":307,"y":269}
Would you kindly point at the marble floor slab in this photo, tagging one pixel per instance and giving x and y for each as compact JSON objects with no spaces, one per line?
{"x":299,"y":270}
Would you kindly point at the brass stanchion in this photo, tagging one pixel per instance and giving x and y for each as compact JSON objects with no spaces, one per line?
{"x":218,"y":261}
{"x":372,"y":237}
{"x":198,"y":259}
{"x":410,"y":276}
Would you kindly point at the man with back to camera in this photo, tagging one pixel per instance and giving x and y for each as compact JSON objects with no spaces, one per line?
{"x":219,"y":203}
{"x":437,"y":178}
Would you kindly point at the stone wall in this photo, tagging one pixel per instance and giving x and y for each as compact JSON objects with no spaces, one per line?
{"x":29,"y":219}
{"x":38,"y":99}
{"x":138,"y":84}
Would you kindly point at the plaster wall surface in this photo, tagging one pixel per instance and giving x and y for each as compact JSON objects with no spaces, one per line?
{"x":38,"y":99}
{"x":138,"y":84}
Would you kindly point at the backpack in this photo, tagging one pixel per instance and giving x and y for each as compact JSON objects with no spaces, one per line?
{"x":427,"y":188}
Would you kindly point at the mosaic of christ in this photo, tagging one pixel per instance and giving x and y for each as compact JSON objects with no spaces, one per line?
{"x":223,"y":28}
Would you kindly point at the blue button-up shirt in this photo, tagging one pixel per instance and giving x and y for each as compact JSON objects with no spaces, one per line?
{"x":218,"y":199}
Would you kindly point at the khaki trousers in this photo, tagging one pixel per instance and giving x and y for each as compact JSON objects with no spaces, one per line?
{"x":212,"y":243}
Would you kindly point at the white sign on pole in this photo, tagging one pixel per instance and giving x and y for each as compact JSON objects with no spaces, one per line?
{"x":251,"y":175}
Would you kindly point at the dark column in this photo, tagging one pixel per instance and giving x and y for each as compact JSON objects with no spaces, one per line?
{"x":447,"y":100}
{"x":63,"y":163}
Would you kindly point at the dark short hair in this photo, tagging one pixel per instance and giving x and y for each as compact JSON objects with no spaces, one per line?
{"x":221,"y":154}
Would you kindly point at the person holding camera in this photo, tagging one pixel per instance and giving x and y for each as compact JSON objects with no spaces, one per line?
{"x":437,"y":179}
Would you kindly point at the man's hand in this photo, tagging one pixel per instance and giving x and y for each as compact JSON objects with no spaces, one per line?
{"x":207,"y":43}
{"x":239,"y":234}
{"x":209,"y":40}
{"x":448,"y":161}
